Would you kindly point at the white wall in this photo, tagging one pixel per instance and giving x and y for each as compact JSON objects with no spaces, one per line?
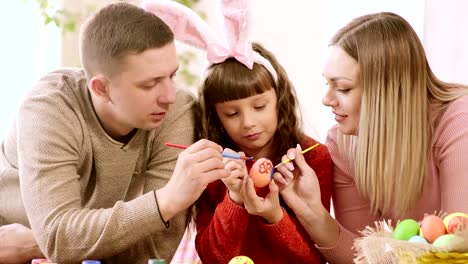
{"x":295,"y":34}
{"x":446,"y":39}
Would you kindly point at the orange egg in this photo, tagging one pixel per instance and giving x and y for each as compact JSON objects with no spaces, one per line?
{"x":261,"y":172}
{"x":432,"y":227}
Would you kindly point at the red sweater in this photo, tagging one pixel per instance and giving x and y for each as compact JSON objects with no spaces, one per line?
{"x":226,"y":230}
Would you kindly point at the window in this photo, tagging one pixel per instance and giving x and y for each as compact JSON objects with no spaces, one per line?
{"x":28,"y":50}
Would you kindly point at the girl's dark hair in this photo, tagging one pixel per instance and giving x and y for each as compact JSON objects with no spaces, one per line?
{"x":231,"y":80}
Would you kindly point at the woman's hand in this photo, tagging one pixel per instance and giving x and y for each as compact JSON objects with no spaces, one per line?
{"x":300,"y":187}
{"x":268,"y":207}
{"x":237,"y":172}
{"x":302,"y":194}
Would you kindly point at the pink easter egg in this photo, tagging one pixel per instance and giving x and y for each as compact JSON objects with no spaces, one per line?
{"x":261,"y":172}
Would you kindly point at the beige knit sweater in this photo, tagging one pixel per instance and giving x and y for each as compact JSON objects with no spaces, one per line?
{"x":86,"y":195}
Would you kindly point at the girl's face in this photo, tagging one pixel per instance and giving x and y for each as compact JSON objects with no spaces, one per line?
{"x":344,"y":90}
{"x":251,"y":122}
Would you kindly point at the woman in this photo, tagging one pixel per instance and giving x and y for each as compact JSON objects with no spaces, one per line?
{"x":401,"y":142}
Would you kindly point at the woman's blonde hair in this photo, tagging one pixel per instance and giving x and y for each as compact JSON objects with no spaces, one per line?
{"x":395,"y":126}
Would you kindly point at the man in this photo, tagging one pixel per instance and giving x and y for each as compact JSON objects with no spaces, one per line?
{"x":87,"y":157}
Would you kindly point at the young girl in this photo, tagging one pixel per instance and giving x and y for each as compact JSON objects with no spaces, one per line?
{"x":251,"y":111}
{"x":249,"y":105}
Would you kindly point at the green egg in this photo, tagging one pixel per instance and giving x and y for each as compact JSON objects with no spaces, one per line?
{"x":443,"y":241}
{"x":406,"y":229}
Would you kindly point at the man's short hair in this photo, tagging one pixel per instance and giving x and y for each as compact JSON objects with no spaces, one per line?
{"x":117,"y":30}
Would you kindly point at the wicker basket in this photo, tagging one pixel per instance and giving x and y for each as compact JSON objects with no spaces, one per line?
{"x":435,"y":257}
{"x":377,"y":246}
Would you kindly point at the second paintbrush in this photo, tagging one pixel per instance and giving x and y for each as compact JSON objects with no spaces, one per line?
{"x":304,"y":151}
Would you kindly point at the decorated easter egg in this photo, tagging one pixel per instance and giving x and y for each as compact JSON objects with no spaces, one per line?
{"x":457,"y":223}
{"x":443,"y":240}
{"x":454,"y":221}
{"x":432,"y":227}
{"x":261,"y":172}
{"x":241,"y":260}
{"x":418,"y":239}
{"x":406,"y":229}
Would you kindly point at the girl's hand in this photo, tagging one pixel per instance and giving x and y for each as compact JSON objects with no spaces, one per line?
{"x":268,"y":207}
{"x":237,"y":171}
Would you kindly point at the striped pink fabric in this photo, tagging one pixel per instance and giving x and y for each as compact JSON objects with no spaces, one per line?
{"x":186,"y":252}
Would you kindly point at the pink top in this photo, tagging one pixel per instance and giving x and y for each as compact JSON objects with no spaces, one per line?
{"x":446,"y":188}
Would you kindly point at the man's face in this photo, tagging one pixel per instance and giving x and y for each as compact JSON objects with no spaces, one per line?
{"x":140,"y":94}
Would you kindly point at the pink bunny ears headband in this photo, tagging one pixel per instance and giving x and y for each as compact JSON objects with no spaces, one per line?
{"x":189,"y":28}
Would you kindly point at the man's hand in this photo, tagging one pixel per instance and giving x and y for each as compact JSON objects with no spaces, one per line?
{"x":196,"y":167}
{"x":17,"y":244}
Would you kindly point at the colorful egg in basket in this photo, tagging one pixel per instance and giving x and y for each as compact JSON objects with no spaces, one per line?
{"x":431,"y":240}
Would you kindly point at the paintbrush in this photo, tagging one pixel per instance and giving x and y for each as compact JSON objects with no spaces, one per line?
{"x":304,"y":151}
{"x":225,"y":154}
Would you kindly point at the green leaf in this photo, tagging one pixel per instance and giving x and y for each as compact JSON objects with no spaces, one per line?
{"x":56,"y":21}
{"x":185,"y":2}
{"x":69,"y":26}
{"x":43,"y":4}
{"x":47,"y":18}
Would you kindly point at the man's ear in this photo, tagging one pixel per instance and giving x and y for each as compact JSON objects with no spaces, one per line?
{"x":99,"y":86}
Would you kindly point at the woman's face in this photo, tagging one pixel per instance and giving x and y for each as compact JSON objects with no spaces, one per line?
{"x":344,"y":90}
